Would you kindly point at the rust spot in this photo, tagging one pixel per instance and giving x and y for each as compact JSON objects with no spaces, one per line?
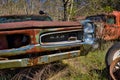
{"x":33,"y":61}
{"x":3,"y":42}
{"x":35,"y":50}
{"x":69,"y":54}
{"x":29,"y":31}
{"x":33,"y":39}
{"x":1,"y":58}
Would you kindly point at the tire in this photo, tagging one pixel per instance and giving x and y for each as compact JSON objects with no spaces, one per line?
{"x":112,"y":53}
{"x":115,"y":69}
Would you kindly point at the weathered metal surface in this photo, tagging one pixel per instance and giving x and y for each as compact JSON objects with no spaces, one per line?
{"x":34,"y":46}
{"x":112,"y":31}
{"x":115,"y":69}
{"x":32,"y":49}
{"x":37,"y":24}
{"x":3,"y":42}
{"x":106,"y":30}
{"x":25,"y":62}
{"x":33,"y":52}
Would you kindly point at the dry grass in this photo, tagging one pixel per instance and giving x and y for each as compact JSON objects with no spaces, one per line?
{"x":90,"y":67}
{"x":41,"y":72}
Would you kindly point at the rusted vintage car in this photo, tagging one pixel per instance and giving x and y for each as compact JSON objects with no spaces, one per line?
{"x":28,"y":40}
{"x":108,"y":25}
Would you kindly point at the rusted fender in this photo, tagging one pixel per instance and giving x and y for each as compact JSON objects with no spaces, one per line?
{"x":114,"y":72}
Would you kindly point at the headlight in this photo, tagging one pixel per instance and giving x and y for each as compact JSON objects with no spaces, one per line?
{"x":88,"y":28}
{"x":89,"y":38}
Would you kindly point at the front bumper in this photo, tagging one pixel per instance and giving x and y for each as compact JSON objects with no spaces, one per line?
{"x":25,"y":62}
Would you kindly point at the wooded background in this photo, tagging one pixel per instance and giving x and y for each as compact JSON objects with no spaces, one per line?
{"x":59,"y":9}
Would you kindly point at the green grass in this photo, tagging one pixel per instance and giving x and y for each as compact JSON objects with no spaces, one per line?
{"x":90,"y":67}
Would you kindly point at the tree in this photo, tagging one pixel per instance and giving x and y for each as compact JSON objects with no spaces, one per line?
{"x":65,"y":3}
{"x":112,"y":4}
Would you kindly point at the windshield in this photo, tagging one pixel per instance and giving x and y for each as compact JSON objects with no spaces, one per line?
{"x":96,"y":18}
{"x":6,"y":19}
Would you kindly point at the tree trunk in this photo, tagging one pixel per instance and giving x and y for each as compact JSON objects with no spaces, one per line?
{"x":65,"y":2}
{"x":71,"y":10}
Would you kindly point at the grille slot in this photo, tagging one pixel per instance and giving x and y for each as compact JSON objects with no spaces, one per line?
{"x":64,"y":37}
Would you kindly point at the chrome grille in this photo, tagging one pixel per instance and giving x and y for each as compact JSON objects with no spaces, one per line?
{"x":62,"y":36}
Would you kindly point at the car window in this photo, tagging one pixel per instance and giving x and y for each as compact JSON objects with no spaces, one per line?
{"x":111,"y":20}
{"x":96,"y":18}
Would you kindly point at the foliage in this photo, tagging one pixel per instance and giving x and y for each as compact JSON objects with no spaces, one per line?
{"x":108,"y":9}
{"x":58,"y":9}
{"x":19,"y":7}
{"x":113,"y":4}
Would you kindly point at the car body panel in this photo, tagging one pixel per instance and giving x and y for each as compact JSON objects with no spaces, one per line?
{"x":108,"y":25}
{"x":32,"y":42}
{"x":25,"y":62}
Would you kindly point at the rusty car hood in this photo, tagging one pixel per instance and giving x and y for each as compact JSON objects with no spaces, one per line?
{"x":37,"y":24}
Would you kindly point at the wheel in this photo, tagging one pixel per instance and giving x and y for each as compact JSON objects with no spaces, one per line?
{"x":112,"y":54}
{"x":115,"y":69}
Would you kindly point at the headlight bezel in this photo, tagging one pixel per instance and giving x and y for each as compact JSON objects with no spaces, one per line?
{"x":89,"y":38}
{"x":89,"y":27}
{"x":89,"y":31}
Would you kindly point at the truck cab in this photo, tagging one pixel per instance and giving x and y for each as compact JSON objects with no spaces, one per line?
{"x":108,"y":25}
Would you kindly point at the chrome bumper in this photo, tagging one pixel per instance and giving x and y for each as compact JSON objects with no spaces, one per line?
{"x":25,"y":62}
